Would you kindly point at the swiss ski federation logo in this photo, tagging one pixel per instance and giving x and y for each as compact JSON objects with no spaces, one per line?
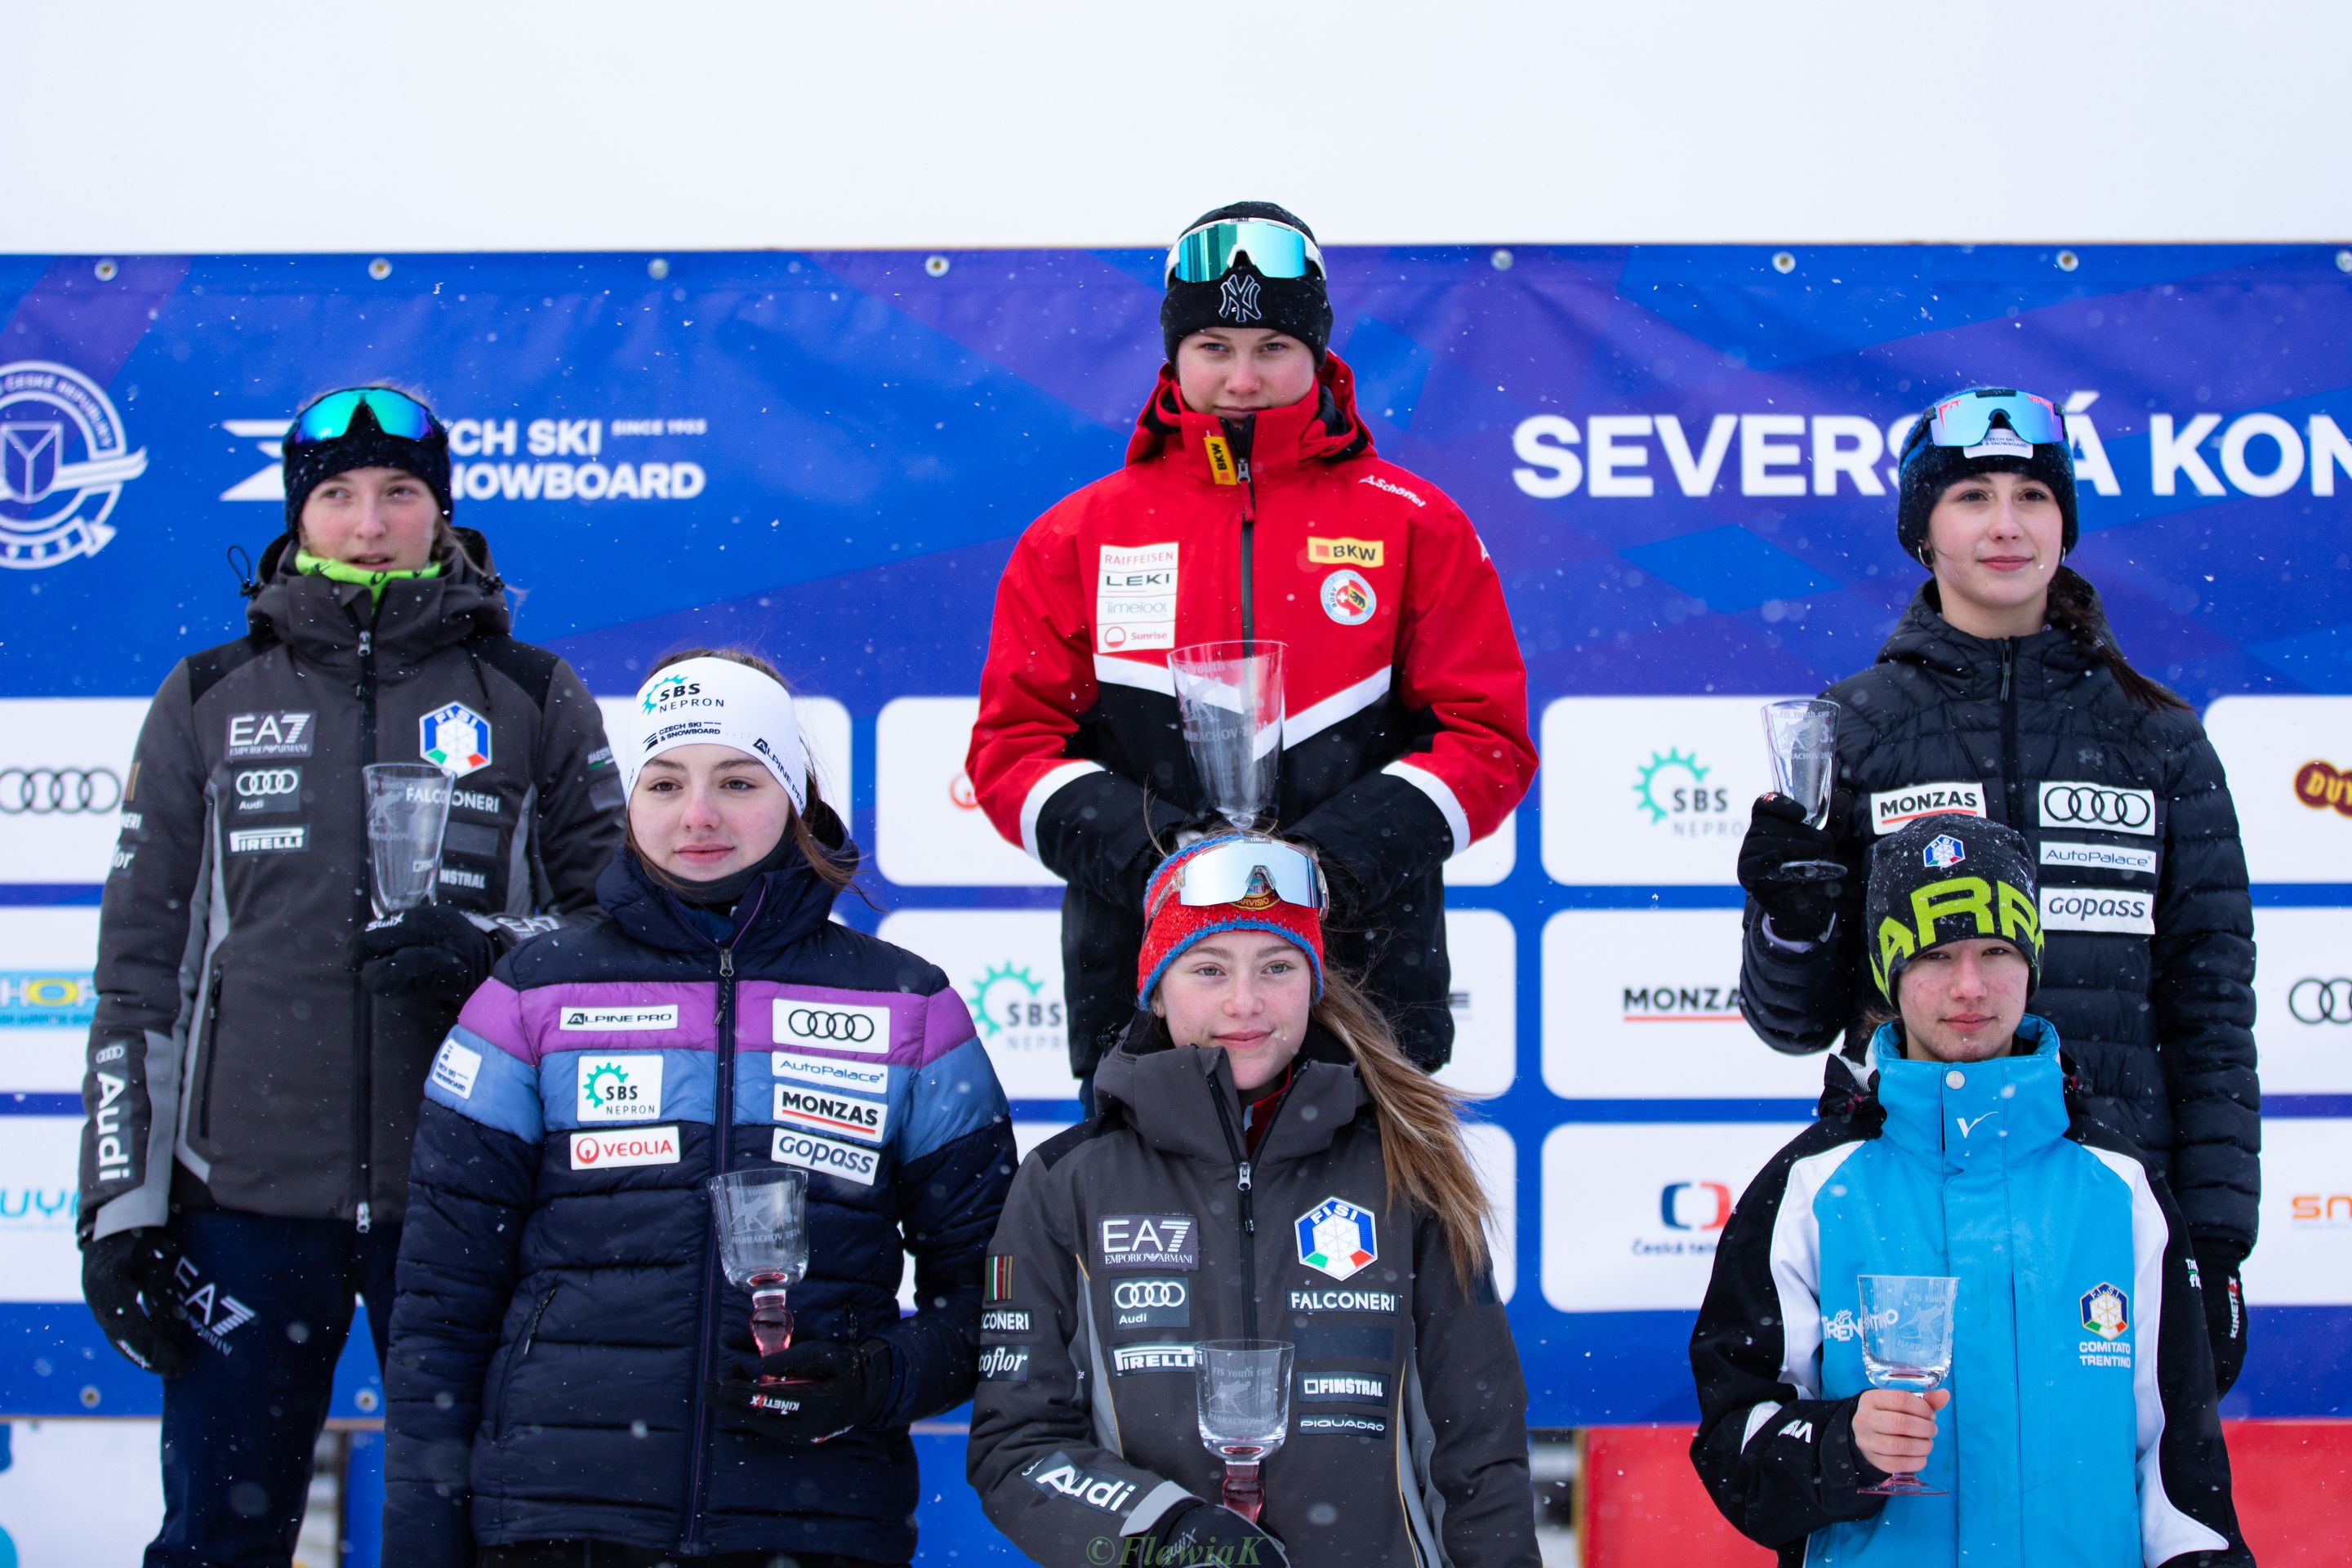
{"x":1338,"y":1238}
{"x":64,"y":459}
{"x":454,"y":737}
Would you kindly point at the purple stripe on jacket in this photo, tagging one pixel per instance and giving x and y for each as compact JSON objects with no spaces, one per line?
{"x":633,"y":1008}
{"x":495,"y":1013}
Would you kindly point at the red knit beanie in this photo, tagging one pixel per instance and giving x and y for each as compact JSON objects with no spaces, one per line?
{"x":1178,"y":925}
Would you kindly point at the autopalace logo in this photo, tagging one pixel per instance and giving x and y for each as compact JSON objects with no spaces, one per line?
{"x":1672,"y":789}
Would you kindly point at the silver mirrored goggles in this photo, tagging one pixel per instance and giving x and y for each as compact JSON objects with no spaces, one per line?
{"x":1275,"y":249}
{"x":1251,"y":872}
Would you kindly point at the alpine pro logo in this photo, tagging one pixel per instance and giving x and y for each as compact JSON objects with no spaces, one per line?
{"x":64,"y":459}
{"x":59,"y":792}
{"x":616,"y":1020}
{"x":2119,"y":810}
{"x":831,"y":1025}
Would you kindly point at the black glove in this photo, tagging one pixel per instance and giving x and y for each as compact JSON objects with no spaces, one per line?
{"x":1777,"y":834}
{"x":2218,"y":1262}
{"x":430,"y":950}
{"x":1198,"y":1531}
{"x":836,"y":1386}
{"x":127,"y":1279}
{"x":1108,"y":834}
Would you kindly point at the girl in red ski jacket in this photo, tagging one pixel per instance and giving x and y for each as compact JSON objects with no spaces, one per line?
{"x":1253,"y":508}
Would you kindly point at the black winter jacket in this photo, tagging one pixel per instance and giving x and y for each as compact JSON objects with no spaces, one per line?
{"x":2148,"y":969}
{"x":560,"y":1300}
{"x":1136,"y":1235}
{"x":232,"y":1031}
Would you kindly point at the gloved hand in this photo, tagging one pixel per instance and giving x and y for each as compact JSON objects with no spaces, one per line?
{"x":1198,"y":1531}
{"x":2218,"y":1262}
{"x":430,"y":950}
{"x":1779,"y":834}
{"x":837,"y":1387}
{"x":127,"y":1279}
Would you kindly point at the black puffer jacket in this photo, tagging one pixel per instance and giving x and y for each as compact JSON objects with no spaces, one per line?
{"x":236,"y":1059}
{"x":1132,"y":1238}
{"x":2149,"y":964}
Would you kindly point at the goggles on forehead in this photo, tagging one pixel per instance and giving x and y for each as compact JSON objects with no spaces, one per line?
{"x":1250,"y":872}
{"x":395,"y":413}
{"x":1275,"y":249}
{"x":1970,"y":420}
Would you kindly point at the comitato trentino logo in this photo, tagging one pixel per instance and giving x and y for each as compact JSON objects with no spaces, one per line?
{"x":64,"y":460}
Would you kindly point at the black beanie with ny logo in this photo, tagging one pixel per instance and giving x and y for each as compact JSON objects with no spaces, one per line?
{"x":1295,"y":307}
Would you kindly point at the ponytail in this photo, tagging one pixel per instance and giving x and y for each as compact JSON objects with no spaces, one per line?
{"x":1420,"y":1122}
{"x":2074,"y":609}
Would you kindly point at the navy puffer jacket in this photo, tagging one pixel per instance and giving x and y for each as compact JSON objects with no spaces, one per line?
{"x":561,"y":1301}
{"x":2148,"y":969}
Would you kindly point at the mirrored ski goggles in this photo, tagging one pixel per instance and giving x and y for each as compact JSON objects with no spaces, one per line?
{"x":1275,"y":249}
{"x":1250,"y":872}
{"x":1967,"y":420}
{"x":395,"y":413}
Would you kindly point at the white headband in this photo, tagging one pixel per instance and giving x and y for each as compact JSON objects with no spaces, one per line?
{"x":717,"y":702}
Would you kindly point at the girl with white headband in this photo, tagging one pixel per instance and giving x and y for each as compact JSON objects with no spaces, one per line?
{"x":572,"y":1376}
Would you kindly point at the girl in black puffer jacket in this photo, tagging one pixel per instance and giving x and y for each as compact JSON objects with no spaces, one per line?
{"x":2002,"y":694}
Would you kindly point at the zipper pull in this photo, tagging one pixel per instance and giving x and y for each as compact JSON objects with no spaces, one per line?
{"x":1244,"y":1176}
{"x":1244,"y":469}
{"x":2008,"y":656}
{"x":366,"y":1219}
{"x":367,"y":645}
{"x":725,"y":963}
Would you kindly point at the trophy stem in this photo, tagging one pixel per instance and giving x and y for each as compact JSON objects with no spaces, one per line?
{"x":1244,"y":1490}
{"x":771,"y":1321}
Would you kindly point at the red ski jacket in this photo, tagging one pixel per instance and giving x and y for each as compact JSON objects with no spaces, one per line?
{"x":1406,"y":733}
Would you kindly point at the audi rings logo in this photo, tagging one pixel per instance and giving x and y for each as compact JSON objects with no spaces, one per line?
{"x":823,"y":1024}
{"x":1132,"y":1295}
{"x":59,"y":792}
{"x":256,"y":784}
{"x":2321,"y":1001}
{"x":2091,"y":805}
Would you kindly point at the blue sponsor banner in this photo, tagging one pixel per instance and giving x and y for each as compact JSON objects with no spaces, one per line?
{"x":1679,"y":459}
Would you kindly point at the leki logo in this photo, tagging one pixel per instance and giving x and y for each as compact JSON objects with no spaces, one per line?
{"x":2321,"y":786}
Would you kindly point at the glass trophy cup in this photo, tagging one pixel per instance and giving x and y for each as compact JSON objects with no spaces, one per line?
{"x":763,"y":1246}
{"x":1906,"y":1344}
{"x":407,"y":813}
{"x":1245,"y":1411}
{"x":1803,"y":736}
{"x":1229,"y":696}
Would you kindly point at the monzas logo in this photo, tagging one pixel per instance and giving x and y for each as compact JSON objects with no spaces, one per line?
{"x":64,"y":459}
{"x":1672,"y":791}
{"x":1014,"y":1013}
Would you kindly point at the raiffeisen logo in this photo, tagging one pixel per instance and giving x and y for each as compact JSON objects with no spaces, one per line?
{"x":1631,"y":456}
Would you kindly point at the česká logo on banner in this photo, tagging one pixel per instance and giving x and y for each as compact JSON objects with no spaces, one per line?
{"x":64,"y":459}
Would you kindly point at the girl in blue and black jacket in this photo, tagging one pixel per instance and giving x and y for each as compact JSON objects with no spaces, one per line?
{"x":2079,"y":1423}
{"x":571,"y":1374}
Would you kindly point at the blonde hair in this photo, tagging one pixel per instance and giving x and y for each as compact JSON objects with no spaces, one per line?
{"x":1420,"y":1121}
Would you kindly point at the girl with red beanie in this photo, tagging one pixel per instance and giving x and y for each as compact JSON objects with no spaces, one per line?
{"x":1262,"y":1163}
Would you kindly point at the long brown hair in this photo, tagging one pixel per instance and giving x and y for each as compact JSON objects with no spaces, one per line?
{"x":809,"y":827}
{"x":1420,"y":1121}
{"x":2074,"y":609}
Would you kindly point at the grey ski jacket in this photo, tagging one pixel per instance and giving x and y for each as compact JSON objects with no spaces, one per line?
{"x":234,"y":1040}
{"x":1131,"y":1238}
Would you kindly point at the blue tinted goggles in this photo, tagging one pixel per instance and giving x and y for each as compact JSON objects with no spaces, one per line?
{"x":1970,"y":419}
{"x":1275,"y":249}
{"x":394,"y":413}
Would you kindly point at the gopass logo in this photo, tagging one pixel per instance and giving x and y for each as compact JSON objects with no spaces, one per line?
{"x":64,"y":459}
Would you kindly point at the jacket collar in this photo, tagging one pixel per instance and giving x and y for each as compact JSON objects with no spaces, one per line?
{"x":1170,"y":1095}
{"x":2045,"y":662}
{"x":1964,"y":1116}
{"x":779,"y":909}
{"x":1323,"y":426}
{"x":322,"y":619}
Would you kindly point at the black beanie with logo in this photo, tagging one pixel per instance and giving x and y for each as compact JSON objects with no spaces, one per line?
{"x":1949,"y":877}
{"x":364,"y":445}
{"x":1928,"y":470}
{"x":1295,"y":307}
